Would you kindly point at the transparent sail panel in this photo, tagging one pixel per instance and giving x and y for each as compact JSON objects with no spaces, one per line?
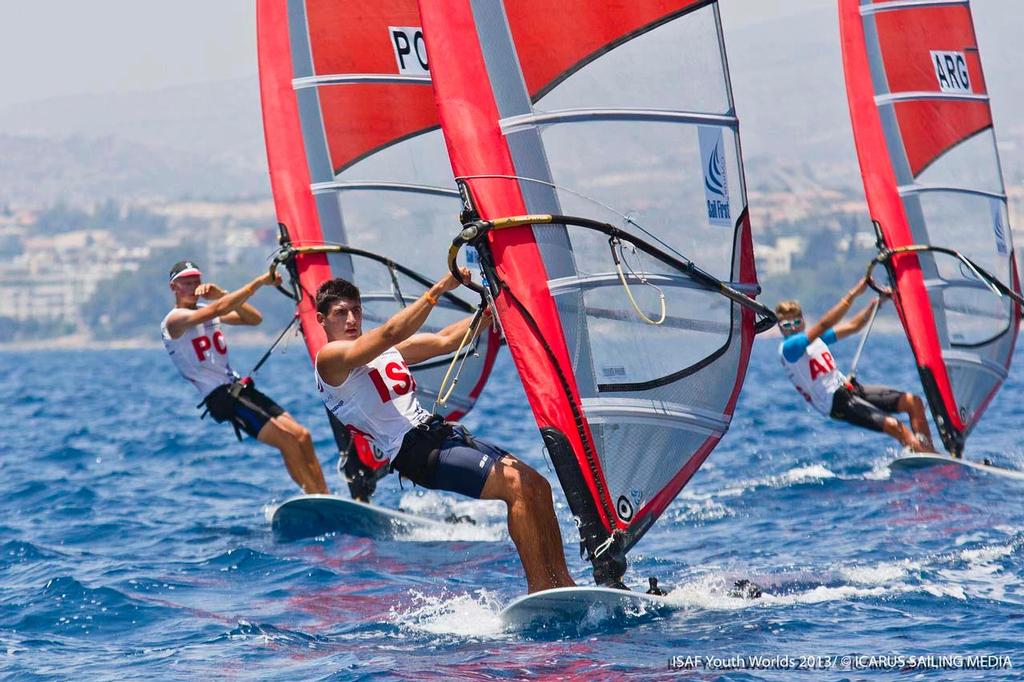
{"x":633,"y":486}
{"x":383,"y":291}
{"x":675,"y":66}
{"x":974,"y":315}
{"x":422,"y":159}
{"x":658,"y":175}
{"x":976,"y":226}
{"x":972,"y":163}
{"x":972,"y":383}
{"x":412,"y":229}
{"x":683,"y":352}
{"x":627,"y":350}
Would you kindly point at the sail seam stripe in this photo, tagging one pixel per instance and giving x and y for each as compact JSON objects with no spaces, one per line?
{"x":676,"y":415}
{"x":356,"y":79}
{"x":939,"y":283}
{"x":327,"y":187}
{"x":562,"y":285}
{"x":583,"y":115}
{"x":954,"y":358}
{"x":867,"y":10}
{"x":916,"y":188}
{"x":925,"y":95}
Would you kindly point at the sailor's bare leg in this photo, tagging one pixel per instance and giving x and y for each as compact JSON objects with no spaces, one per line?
{"x":296,"y":446}
{"x":898,"y":430}
{"x":914,"y":408}
{"x":531,"y":522}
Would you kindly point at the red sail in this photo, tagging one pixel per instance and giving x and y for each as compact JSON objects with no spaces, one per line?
{"x":923,"y":129}
{"x":357,"y":160}
{"x":557,"y":112}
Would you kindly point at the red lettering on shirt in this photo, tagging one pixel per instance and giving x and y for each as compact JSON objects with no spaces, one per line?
{"x":816,"y":369}
{"x":829,"y":360}
{"x":400,"y":374}
{"x":201,"y":344}
{"x":219,"y":344}
{"x":378,"y":383}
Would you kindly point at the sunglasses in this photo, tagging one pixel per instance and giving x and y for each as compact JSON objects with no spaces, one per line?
{"x":791,"y":324}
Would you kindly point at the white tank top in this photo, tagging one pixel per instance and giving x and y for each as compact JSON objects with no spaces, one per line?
{"x":377,"y":399}
{"x":815,"y":375}
{"x":200,"y":354}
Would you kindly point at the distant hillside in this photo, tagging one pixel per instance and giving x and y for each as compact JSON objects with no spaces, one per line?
{"x":196,"y":141}
{"x":82,"y":170}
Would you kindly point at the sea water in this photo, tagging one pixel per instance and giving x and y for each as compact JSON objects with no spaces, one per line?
{"x":134,"y":545}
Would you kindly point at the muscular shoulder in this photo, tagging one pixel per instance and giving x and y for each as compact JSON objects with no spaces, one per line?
{"x":332,"y":362}
{"x":794,"y":346}
{"x":175,"y":323}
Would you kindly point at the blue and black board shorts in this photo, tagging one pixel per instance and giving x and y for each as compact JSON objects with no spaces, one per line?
{"x":447,"y":457}
{"x":249,"y":411}
{"x":866,"y":406}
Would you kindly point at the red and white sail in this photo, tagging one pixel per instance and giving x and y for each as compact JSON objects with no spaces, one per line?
{"x":621,"y":113}
{"x":357,"y":159}
{"x":923,"y":128}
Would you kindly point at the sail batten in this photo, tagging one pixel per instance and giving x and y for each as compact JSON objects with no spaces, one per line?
{"x":335,"y":186}
{"x":879,"y":7}
{"x":892,"y":98}
{"x":581,"y":115}
{"x":357,"y":78}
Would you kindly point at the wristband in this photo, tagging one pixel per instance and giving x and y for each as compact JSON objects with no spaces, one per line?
{"x":430,"y":299}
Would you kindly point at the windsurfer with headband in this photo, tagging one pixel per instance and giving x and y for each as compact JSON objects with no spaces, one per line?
{"x":364,"y":380}
{"x":805,"y":355}
{"x":192,"y":336}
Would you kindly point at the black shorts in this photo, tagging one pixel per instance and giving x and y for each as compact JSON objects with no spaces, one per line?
{"x":459,"y":463}
{"x":865,"y":406}
{"x":250,"y":411}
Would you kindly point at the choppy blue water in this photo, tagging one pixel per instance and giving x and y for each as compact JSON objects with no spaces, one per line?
{"x":134,"y":543}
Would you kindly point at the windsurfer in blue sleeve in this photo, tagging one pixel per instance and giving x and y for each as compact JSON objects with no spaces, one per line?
{"x":364,"y":379}
{"x":805,"y":355}
{"x":192,"y":335}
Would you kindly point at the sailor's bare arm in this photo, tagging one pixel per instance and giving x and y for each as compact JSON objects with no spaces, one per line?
{"x":184,"y":318}
{"x":857,"y":322}
{"x":420,"y":347}
{"x":832,"y":317}
{"x":338,"y":358}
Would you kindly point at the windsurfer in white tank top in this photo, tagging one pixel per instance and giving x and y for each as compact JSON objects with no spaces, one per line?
{"x":192,"y":336}
{"x":810,"y":365}
{"x":364,"y":379}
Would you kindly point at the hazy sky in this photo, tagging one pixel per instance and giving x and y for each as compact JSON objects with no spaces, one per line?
{"x":65,"y":47}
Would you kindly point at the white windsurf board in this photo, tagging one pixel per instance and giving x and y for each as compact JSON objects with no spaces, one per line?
{"x":310,"y":515}
{"x":563,"y":606}
{"x":919,"y":460}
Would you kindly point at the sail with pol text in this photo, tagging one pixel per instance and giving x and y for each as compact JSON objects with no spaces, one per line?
{"x":922,"y":123}
{"x":596,"y":147}
{"x":361,"y":181}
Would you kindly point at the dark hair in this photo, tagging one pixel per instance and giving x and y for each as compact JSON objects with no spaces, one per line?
{"x":332,"y":291}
